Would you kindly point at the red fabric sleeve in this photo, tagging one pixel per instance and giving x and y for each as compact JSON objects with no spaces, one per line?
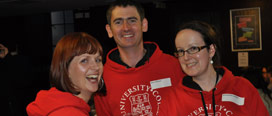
{"x":68,"y":111}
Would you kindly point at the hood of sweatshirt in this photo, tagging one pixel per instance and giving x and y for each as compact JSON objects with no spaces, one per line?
{"x":227,"y":78}
{"x":48,"y":101}
{"x":151,"y":47}
{"x":195,"y":90}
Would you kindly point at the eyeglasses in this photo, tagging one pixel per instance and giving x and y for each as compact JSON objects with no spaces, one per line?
{"x":192,"y":50}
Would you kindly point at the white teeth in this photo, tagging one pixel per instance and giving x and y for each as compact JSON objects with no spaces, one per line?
{"x":92,"y":76}
{"x":191,"y":64}
{"x":127,"y":36}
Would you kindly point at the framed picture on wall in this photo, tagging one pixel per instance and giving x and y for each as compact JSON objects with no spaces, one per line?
{"x":245,"y":25}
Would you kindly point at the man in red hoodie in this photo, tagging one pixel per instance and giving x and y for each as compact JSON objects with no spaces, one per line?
{"x":137,"y":74}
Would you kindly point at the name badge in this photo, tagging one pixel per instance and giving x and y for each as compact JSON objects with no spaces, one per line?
{"x":233,"y":98}
{"x":166,"y":82}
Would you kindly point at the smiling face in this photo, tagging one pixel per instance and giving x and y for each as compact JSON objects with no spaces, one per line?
{"x":198,"y":63}
{"x":126,"y":27}
{"x":85,"y":72}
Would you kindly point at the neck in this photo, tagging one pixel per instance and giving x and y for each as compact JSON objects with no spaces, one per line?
{"x":85,"y":96}
{"x":207,"y":80}
{"x":132,"y":56}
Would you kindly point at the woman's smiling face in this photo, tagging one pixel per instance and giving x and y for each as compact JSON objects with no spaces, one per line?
{"x":197,"y":63}
{"x":85,"y":71}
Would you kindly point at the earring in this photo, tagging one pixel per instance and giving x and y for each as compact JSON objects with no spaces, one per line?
{"x":101,"y":84}
{"x":211,"y":61}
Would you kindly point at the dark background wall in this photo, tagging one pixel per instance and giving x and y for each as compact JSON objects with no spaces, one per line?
{"x":23,"y":75}
{"x":27,"y":73}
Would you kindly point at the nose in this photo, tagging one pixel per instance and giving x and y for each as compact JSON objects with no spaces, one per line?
{"x":186,"y":56}
{"x":126,"y":25}
{"x":94,"y":65}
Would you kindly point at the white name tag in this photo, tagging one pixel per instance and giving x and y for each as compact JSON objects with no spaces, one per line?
{"x":233,"y":98}
{"x":166,"y":82}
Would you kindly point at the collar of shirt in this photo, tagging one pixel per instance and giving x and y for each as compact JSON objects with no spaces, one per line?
{"x":150,"y":49}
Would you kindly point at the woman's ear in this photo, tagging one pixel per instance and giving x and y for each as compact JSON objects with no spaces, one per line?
{"x":212,"y":50}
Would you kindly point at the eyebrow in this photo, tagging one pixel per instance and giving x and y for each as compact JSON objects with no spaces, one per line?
{"x":117,"y":19}
{"x":125,"y":18}
{"x":132,"y":18}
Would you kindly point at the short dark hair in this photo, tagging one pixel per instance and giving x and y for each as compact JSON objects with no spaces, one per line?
{"x":125,"y":3}
{"x":70,"y":45}
{"x":209,"y":34}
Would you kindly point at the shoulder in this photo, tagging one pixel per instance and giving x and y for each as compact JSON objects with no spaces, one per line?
{"x":237,"y":83}
{"x":169,"y":56}
{"x":159,"y":56}
{"x":243,"y":86}
{"x":241,"y":83}
{"x":234,"y":79}
{"x":238,"y":80}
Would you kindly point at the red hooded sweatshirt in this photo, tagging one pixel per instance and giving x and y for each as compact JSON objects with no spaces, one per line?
{"x":138,"y":91}
{"x":57,"y":103}
{"x":232,"y":96}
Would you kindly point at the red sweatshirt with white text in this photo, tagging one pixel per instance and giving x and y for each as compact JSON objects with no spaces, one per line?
{"x":138,"y":91}
{"x":233,"y":96}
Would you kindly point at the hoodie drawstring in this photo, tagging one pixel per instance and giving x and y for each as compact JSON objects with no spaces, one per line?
{"x":213,"y":97}
{"x":203,"y":101}
{"x":213,"y":100}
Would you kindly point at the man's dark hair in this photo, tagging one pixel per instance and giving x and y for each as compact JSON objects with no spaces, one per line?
{"x":125,"y":3}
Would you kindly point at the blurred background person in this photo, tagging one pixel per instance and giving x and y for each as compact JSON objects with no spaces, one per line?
{"x":254,"y":75}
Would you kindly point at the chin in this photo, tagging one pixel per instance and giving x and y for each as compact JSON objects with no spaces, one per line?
{"x":190,"y":73}
{"x":92,"y":89}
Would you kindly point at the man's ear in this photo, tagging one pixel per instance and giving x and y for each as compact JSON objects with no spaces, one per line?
{"x":108,"y":28}
{"x":145,"y":25}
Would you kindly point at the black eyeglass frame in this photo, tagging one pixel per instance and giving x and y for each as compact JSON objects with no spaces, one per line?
{"x":199,"y":48}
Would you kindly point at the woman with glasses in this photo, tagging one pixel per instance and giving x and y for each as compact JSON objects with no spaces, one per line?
{"x":208,"y":89}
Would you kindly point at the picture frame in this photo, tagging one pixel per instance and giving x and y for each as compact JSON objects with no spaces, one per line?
{"x":245,"y":25}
